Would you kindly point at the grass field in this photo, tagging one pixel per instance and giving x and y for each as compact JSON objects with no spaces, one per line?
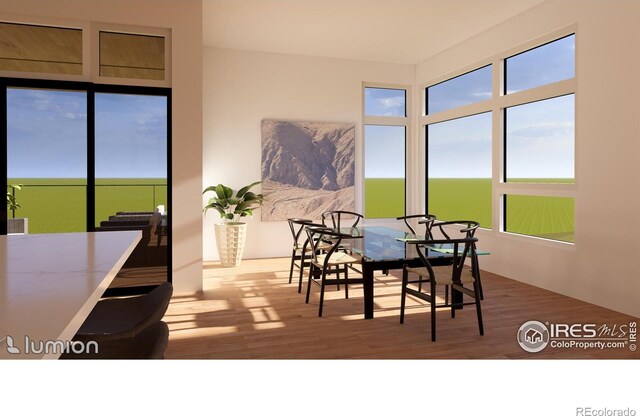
{"x":59,"y":205}
{"x":384,"y":197}
{"x":455,"y":199}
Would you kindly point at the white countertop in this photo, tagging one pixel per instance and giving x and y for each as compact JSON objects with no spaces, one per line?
{"x":50,"y":282}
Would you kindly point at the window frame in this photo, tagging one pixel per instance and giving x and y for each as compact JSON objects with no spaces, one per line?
{"x":497,"y":105}
{"x":392,"y":121}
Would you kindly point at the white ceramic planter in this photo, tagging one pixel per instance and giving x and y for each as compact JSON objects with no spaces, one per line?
{"x":17,"y":226}
{"x":230,"y":238}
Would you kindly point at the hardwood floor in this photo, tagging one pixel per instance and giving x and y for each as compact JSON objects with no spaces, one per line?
{"x":251,"y":312}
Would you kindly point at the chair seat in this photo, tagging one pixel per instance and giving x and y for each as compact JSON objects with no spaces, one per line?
{"x":321,"y":246}
{"x":443,"y":274}
{"x":337,"y":257}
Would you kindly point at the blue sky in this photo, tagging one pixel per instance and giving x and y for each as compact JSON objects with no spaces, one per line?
{"x":47,"y":135}
{"x":540,"y":135}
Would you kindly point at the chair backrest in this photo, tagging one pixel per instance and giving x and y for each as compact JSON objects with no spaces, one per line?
{"x":462,"y":248}
{"x":329,"y":239}
{"x":297,"y":226}
{"x":468,"y":227}
{"x":426,"y":219}
{"x":341,"y":219}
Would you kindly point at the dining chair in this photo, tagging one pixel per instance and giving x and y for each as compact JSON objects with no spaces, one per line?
{"x":296,"y":225}
{"x":423,"y":219}
{"x":300,"y":254}
{"x":331,"y":261}
{"x":464,"y":226}
{"x":453,"y":276}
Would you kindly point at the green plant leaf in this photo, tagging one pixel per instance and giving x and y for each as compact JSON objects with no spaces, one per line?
{"x":244,"y":190}
{"x":229,"y":216}
{"x":209,"y":189}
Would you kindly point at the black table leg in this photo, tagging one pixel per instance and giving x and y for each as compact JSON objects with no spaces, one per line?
{"x":367,"y":276}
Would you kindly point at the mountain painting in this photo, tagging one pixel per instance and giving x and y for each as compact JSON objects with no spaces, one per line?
{"x":308,"y":168}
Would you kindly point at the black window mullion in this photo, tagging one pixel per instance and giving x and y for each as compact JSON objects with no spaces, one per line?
{"x":91,"y":161}
{"x":3,"y":159}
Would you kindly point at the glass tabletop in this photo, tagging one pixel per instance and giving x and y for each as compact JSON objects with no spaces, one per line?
{"x":377,"y":243}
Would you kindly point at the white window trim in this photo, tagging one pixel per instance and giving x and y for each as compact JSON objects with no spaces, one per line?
{"x":497,"y":105}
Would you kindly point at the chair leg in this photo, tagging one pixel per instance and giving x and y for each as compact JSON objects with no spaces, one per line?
{"x":293,"y":259}
{"x":446,"y":295}
{"x":404,"y":293}
{"x":301,"y":273}
{"x":338,"y":277}
{"x":453,"y":303}
{"x":433,"y":313}
{"x":309,"y":282}
{"x":346,"y":282}
{"x":324,"y":274}
{"x":478,"y":291}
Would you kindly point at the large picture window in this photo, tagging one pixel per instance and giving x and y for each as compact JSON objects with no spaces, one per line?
{"x":528,"y":119}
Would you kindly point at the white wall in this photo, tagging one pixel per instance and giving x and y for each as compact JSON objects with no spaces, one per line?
{"x":602,"y":267}
{"x":184,"y":18}
{"x":241,"y":88}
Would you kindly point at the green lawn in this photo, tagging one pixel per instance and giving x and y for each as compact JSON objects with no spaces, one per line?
{"x":457,"y":199}
{"x":62,"y":208}
{"x":384,"y":197}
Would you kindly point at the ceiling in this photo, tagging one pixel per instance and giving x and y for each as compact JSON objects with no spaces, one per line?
{"x":395,"y":31}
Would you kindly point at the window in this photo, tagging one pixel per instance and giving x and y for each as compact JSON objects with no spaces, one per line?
{"x":459,"y":169}
{"x":552,"y":62}
{"x":44,"y":49}
{"x":468,"y":88}
{"x":124,"y":55}
{"x":533,"y":131}
{"x":540,"y":216}
{"x":385,"y":133}
{"x":539,"y":142}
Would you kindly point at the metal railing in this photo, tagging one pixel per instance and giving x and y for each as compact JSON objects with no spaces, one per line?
{"x":146,"y":185}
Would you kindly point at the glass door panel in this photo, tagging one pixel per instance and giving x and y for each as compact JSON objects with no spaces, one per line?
{"x":131,"y":180}
{"x":46,"y":160}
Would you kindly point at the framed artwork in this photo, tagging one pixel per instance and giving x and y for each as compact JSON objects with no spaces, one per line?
{"x":308,"y":167}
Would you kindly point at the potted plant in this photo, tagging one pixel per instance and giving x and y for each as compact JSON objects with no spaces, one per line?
{"x":15,"y":225}
{"x":232,"y":207}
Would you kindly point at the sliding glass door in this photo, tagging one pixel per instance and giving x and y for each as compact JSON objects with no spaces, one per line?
{"x":85,"y":157}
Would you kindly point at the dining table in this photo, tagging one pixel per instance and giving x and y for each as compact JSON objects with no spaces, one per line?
{"x":384,"y":248}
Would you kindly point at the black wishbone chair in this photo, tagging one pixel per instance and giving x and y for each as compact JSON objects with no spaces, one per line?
{"x":342,"y":219}
{"x":454,"y":276}
{"x":305,"y":251}
{"x":297,"y":255}
{"x":468,"y":228}
{"x":332,"y":261}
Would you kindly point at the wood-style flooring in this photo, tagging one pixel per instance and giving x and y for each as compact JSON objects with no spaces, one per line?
{"x":251,"y":312}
